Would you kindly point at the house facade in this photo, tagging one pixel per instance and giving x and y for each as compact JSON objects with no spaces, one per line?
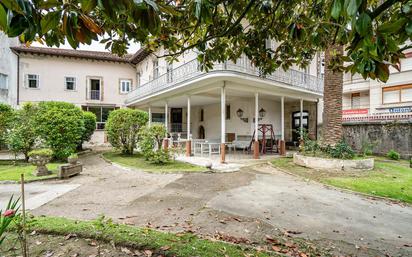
{"x":8,"y":70}
{"x":95,"y":81}
{"x":371,"y":100}
{"x":224,"y":106}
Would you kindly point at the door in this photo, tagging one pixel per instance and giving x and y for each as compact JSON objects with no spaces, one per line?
{"x":176,"y":119}
{"x":296,"y":124}
{"x":95,"y":89}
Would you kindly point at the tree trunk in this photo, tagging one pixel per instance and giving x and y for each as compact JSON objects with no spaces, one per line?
{"x":332,"y":100}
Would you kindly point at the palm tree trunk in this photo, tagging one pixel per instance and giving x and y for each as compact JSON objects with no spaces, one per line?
{"x":332,"y":100}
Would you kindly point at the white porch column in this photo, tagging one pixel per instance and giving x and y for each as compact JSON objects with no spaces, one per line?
{"x":282,"y":118}
{"x":150,"y":116}
{"x":188,"y":142}
{"x":166,"y":117}
{"x":301,"y":116}
{"x":256,"y":143}
{"x":222,"y":123}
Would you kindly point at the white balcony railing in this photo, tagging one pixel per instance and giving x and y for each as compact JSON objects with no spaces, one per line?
{"x":95,"y":94}
{"x":191,"y":70}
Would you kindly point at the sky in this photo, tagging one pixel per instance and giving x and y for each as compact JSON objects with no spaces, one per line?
{"x":95,"y":46}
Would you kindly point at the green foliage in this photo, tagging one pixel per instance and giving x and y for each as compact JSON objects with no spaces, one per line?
{"x":45,"y":152}
{"x":367,"y":148}
{"x":309,"y":146}
{"x":23,"y":136}
{"x":394,"y":155}
{"x":61,"y":126}
{"x":150,"y":144}
{"x":374,"y":33}
{"x":6,"y":118}
{"x":89,"y":120}
{"x":73,"y":155}
{"x":123,"y":127}
{"x":9,"y":215}
{"x":341,"y":151}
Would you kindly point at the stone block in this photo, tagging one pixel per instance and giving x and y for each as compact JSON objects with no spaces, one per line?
{"x":68,"y":170}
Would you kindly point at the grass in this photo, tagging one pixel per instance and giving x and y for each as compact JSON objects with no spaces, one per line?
{"x":11,"y":171}
{"x":392,"y":179}
{"x":137,"y":161}
{"x":169,"y":244}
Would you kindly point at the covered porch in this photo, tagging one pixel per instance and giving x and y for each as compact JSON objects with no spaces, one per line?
{"x":234,"y":119}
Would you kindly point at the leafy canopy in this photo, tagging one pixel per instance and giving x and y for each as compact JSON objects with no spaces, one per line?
{"x":375,"y":33}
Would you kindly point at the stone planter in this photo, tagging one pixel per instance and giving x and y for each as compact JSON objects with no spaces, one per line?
{"x":333,"y":164}
{"x":40,"y":162}
{"x":72,"y":160}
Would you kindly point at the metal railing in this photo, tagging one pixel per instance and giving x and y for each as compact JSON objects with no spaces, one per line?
{"x":95,"y":94}
{"x":191,"y":70}
{"x":377,"y":117}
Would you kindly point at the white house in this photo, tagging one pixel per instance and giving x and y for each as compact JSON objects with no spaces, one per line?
{"x":218,"y":109}
{"x":8,"y":70}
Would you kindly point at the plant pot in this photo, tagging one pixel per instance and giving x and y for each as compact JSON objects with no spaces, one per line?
{"x":40,"y":162}
{"x":72,"y":160}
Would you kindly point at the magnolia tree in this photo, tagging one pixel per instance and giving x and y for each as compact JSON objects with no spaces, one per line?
{"x":374,"y":33}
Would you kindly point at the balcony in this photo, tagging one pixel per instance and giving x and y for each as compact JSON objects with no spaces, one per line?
{"x":191,"y":71}
{"x":94,"y":94}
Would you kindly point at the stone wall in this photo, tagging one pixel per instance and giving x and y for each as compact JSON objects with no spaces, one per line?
{"x":384,"y":135}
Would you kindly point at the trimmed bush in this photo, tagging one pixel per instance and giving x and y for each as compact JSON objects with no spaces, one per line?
{"x":341,"y":151}
{"x":6,"y":118}
{"x":23,"y":136}
{"x":61,"y":126}
{"x":45,"y":152}
{"x":123,"y":127}
{"x":394,"y":155}
{"x":150,"y":144}
{"x":89,"y":120}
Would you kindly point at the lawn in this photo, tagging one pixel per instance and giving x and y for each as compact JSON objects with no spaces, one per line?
{"x":134,"y":238}
{"x":11,"y":172}
{"x":392,"y":179}
{"x":137,"y":161}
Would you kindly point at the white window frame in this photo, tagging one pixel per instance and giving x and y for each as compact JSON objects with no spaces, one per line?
{"x":6,"y":81}
{"x":121,"y":81}
{"x":155,"y":69}
{"x":74,"y":85}
{"x":27,"y":80}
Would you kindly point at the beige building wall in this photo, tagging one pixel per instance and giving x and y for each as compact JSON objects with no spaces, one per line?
{"x":53,"y":70}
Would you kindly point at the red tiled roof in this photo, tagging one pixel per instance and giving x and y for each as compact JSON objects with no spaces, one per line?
{"x":94,"y":55}
{"x":139,"y":56}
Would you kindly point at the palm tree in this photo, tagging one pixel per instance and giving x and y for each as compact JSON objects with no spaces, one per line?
{"x":332,"y":99}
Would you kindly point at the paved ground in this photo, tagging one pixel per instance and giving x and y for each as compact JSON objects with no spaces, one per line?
{"x":250,"y":203}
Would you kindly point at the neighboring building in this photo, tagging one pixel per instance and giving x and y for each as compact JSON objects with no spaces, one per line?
{"x":371,"y":100}
{"x":8,"y":70}
{"x":95,"y":81}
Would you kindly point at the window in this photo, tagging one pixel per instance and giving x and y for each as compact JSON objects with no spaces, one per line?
{"x":125,"y":86}
{"x":4,"y":83}
{"x":32,"y":81}
{"x":94,"y":89}
{"x":70,"y":83}
{"x":155,"y":69}
{"x":228,"y":112}
{"x":202,"y":115}
{"x":102,"y":113}
{"x":355,"y":101}
{"x":138,"y":79}
{"x":169,"y":70}
{"x":158,"y":117}
{"x":397,"y":94}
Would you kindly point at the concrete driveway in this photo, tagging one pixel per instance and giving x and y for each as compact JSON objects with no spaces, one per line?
{"x":251,"y":203}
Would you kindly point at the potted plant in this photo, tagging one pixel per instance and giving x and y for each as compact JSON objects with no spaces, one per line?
{"x":73,"y":158}
{"x":40,"y":157}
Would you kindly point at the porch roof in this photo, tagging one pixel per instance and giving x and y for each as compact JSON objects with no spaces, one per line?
{"x":188,"y":77}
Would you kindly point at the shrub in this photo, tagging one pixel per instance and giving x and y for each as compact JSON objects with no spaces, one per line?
{"x":150,"y":144}
{"x":6,"y":118}
{"x":89,"y":120}
{"x":73,"y":155}
{"x":309,"y":146}
{"x":61,"y":126}
{"x":367,"y":148}
{"x":22,"y":136}
{"x":123,"y":127}
{"x":394,"y":155}
{"x":45,"y":152}
{"x":341,"y":151}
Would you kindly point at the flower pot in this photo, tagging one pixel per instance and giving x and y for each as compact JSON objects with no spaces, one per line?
{"x":72,"y":160}
{"x":40,"y":162}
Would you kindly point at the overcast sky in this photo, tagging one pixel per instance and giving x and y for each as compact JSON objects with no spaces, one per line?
{"x":95,"y":46}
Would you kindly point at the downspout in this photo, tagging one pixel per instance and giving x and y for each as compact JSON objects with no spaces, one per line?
{"x":18,"y":80}
{"x":316,"y":127}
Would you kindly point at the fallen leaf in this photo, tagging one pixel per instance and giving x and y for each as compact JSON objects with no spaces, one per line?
{"x":38,"y":243}
{"x":165,"y":248}
{"x":148,"y":253}
{"x":276,"y":248}
{"x":125,"y":250}
{"x":67,"y":237}
{"x":303,"y":255}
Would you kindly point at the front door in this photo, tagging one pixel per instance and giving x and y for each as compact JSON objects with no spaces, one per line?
{"x":176,"y":119}
{"x":296,"y":124}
